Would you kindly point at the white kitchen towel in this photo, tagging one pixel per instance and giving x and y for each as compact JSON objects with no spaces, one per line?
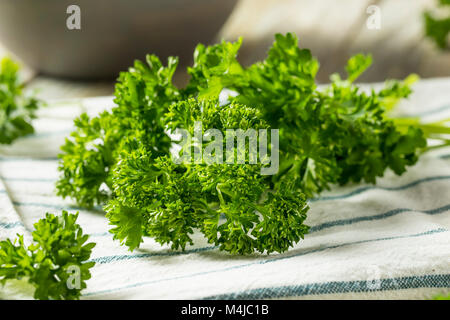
{"x":390,"y":240}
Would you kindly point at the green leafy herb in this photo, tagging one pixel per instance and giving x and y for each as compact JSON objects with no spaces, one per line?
{"x":58,"y":252}
{"x":327,"y":136}
{"x":16,"y":110}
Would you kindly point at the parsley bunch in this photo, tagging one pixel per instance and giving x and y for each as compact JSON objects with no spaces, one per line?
{"x":16,"y":110}
{"x":59,"y":250}
{"x":327,"y":136}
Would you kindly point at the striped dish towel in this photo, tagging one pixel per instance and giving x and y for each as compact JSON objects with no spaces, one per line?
{"x":390,"y":240}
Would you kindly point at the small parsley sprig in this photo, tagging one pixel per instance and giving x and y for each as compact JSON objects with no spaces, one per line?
{"x":16,"y":110}
{"x":59,"y":250}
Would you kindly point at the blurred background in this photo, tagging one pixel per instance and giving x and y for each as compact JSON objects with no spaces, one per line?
{"x":64,"y":63}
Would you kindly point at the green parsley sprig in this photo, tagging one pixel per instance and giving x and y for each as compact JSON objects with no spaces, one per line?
{"x":59,"y":251}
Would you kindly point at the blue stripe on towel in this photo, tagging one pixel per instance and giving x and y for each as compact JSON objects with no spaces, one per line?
{"x":110,"y":259}
{"x":363,"y":189}
{"x":399,"y":283}
{"x":374,"y":217}
{"x":11,"y":225}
